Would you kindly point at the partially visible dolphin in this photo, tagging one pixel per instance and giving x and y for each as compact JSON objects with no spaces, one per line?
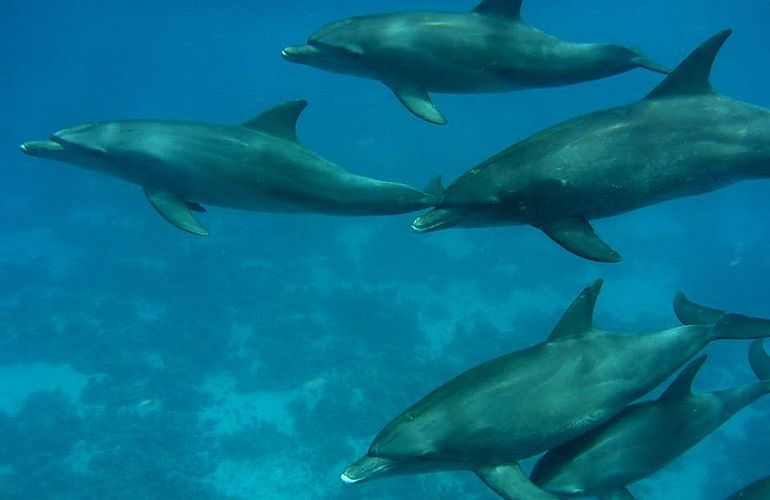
{"x":487,"y":50}
{"x":255,"y":166}
{"x":683,"y":139}
{"x":515,"y":406}
{"x":758,"y":490}
{"x":645,"y":437}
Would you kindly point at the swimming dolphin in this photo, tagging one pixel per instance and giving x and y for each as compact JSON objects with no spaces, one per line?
{"x":682,"y":139}
{"x":487,"y":50}
{"x":255,"y":166}
{"x":758,"y":490}
{"x":531,"y":400}
{"x":645,"y":437}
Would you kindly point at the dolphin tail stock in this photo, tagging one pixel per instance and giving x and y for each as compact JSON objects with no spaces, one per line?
{"x":645,"y":62}
{"x":724,"y":326}
{"x":510,"y":482}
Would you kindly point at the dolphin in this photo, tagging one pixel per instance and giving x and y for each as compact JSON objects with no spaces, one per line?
{"x":683,"y":139}
{"x":526,"y":402}
{"x":645,"y":437}
{"x":758,"y":490}
{"x":258,"y":166}
{"x":487,"y":50}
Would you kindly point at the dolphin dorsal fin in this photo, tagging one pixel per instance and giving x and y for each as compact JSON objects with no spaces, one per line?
{"x":759,"y":360}
{"x":280,"y":121}
{"x":681,"y":387}
{"x":692,"y":76}
{"x":503,"y":8}
{"x":579,"y":318}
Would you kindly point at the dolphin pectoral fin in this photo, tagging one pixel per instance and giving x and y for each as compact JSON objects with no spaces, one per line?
{"x":417,"y":100}
{"x":578,"y":236}
{"x":621,"y":494}
{"x":195,"y":207}
{"x":175,"y":210}
{"x":510,"y":482}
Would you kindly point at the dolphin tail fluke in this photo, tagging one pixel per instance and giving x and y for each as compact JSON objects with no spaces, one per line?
{"x":759,"y":361}
{"x":690,"y":313}
{"x":510,"y":482}
{"x":724,"y":325}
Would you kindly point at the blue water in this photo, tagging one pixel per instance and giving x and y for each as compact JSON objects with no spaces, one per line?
{"x":137,"y":362}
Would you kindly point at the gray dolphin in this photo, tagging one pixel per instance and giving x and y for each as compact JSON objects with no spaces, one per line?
{"x":255,"y":166}
{"x":683,"y":139}
{"x":645,"y":437}
{"x":758,"y":490}
{"x":487,"y":50}
{"x":531,"y":400}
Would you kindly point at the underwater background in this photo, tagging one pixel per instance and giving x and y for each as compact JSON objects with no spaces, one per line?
{"x":138,"y":362}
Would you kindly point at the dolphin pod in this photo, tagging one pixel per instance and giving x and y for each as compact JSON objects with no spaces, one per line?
{"x":490,"y":49}
{"x":682,"y":139}
{"x":568,"y":396}
{"x":645,"y":437}
{"x":258,"y":165}
{"x":526,"y":402}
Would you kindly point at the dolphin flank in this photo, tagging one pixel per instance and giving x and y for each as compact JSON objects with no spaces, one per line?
{"x":257,"y":166}
{"x":487,"y":50}
{"x":683,"y":139}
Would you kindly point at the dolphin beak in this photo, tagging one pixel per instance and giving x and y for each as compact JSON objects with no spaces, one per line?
{"x":296,"y":52}
{"x":432,"y":221}
{"x":41,"y":147}
{"x":366,"y":467}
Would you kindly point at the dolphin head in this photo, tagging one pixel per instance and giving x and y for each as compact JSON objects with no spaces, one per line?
{"x":334,"y":48}
{"x":409,"y":444}
{"x":79,"y":145}
{"x":120,"y":148}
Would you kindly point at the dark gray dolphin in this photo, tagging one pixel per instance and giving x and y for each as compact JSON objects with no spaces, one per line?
{"x":531,"y":400}
{"x":488,"y":50}
{"x":683,"y":139}
{"x":645,"y":437}
{"x":758,"y":490}
{"x":255,"y":166}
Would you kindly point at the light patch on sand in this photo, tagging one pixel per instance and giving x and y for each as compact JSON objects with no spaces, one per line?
{"x":21,"y":380}
{"x":232,"y":411}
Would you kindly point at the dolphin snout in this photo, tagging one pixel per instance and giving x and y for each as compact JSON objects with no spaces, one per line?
{"x":41,"y":147}
{"x":298,"y":51}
